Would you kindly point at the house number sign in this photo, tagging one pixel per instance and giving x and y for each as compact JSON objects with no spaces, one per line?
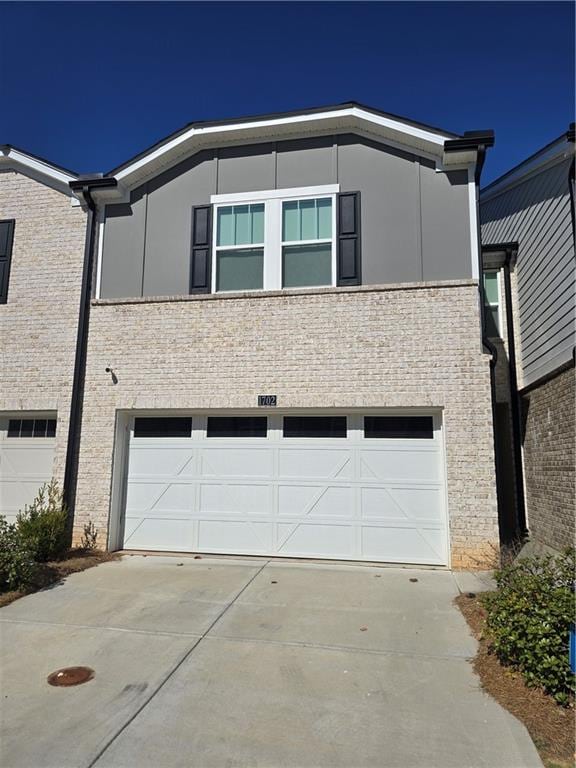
{"x":267,"y":401}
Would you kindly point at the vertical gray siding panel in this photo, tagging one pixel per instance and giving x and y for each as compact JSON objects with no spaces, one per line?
{"x":390,"y":208}
{"x":123,"y":248}
{"x":170,"y":199}
{"x":446,"y":250}
{"x":246,"y":169}
{"x":536,"y":214}
{"x":305,"y":163}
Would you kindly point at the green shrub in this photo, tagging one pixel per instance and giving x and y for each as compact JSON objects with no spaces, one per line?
{"x":44,"y":524}
{"x":17,"y":566}
{"x":528,"y":621}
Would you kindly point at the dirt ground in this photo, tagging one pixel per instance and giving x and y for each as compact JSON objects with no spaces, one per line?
{"x":57,"y":570}
{"x":551,"y":727}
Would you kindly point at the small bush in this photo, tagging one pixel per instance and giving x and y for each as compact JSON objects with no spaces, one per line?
{"x":528,"y":621}
{"x":17,"y":566}
{"x":88,"y":542}
{"x":44,"y":524}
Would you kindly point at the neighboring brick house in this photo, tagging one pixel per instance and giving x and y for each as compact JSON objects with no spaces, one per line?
{"x":281,"y":347}
{"x":528,"y":244}
{"x":42,"y":229}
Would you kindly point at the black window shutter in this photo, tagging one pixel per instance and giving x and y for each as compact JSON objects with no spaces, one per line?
{"x":6,"y":239}
{"x":201,"y":249}
{"x":349,"y":246}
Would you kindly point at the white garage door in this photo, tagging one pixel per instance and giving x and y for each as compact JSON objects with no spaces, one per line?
{"x":26,"y":459}
{"x":346,"y":486}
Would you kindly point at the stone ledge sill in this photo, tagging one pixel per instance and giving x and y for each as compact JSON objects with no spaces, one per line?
{"x":386,"y":287}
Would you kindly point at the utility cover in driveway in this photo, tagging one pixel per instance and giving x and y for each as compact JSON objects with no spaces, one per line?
{"x":327,"y":485}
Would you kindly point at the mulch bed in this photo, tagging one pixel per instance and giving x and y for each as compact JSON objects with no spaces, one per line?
{"x":56,"y":571}
{"x":551,"y":727}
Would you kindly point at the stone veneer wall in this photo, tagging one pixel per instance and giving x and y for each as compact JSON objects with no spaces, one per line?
{"x":38,"y":324}
{"x":549,"y":457}
{"x":391,"y":346}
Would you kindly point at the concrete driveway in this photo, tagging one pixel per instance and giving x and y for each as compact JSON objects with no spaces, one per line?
{"x":226,"y":663}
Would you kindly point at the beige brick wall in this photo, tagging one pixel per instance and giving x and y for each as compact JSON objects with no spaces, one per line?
{"x":38,"y":324}
{"x":549,"y":460}
{"x":349,"y":348}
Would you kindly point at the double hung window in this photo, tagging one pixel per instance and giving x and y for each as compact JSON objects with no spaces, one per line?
{"x":277,"y":240}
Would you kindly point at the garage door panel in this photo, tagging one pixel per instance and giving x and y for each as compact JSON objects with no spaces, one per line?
{"x":387,"y":464}
{"x":27,"y":461}
{"x":235,"y":498}
{"x":234,"y":536}
{"x":315,"y":463}
{"x":25,"y":465}
{"x":158,"y":533}
{"x":231,"y":461}
{"x":145,"y":496}
{"x":350,"y":497}
{"x":395,"y":503}
{"x":160,"y":460}
{"x":397,"y":545}
{"x":315,"y":500}
{"x":314,"y":539}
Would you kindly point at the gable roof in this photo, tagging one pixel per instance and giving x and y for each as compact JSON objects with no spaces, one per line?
{"x":276,"y":116}
{"x":446,"y":148}
{"x":558,"y":149}
{"x":37,"y":168}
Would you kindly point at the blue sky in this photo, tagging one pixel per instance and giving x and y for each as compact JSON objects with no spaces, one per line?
{"x":88,"y":85}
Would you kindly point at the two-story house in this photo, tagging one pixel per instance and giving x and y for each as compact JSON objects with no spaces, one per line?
{"x":528,"y":237}
{"x":284,"y":354}
{"x":42,"y":230}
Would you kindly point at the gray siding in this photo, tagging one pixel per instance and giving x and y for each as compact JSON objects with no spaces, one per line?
{"x":445,"y":224}
{"x":536,"y":214}
{"x":415,"y":222}
{"x":123,"y":248}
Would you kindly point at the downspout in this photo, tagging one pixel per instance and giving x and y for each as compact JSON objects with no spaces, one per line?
{"x":515,"y":399}
{"x":486,"y":343}
{"x":83,"y":189}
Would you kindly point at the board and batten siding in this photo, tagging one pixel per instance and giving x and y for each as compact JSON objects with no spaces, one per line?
{"x":415,"y":220}
{"x":535,"y":213}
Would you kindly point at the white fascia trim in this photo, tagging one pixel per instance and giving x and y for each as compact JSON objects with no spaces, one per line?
{"x":37,"y":168}
{"x":100,"y":225}
{"x":275,"y":194}
{"x":556,"y":153}
{"x":473,"y":208}
{"x":223,"y":130}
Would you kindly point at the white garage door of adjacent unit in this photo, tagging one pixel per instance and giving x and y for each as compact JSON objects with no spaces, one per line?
{"x":26,"y":459}
{"x":356,"y":486}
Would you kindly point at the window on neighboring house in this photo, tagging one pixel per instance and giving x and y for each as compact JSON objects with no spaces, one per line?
{"x":280,"y":242}
{"x":6,"y":239}
{"x":492,"y":303}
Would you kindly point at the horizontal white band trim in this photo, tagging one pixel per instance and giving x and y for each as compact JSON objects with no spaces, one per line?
{"x":275,"y":194}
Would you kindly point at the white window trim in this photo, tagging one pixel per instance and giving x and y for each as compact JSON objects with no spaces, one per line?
{"x":273,"y":242}
{"x":498,"y":305}
{"x":275,"y":194}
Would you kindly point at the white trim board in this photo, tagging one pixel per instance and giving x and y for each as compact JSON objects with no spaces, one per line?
{"x":473,"y":210}
{"x":39,"y":170}
{"x":273,"y":194}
